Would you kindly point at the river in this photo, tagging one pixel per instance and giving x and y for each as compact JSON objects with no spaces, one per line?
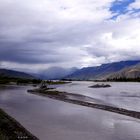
{"x":120,"y":94}
{"x":50,"y":119}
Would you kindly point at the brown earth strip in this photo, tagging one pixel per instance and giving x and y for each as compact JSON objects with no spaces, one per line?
{"x":10,"y":129}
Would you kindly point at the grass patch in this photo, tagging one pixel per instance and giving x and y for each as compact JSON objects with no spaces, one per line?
{"x":56,"y":82}
{"x":7,"y":80}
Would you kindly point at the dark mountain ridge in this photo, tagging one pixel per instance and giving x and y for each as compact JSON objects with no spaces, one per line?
{"x":15,"y":74}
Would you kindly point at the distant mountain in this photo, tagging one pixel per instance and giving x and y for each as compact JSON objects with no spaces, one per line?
{"x":132,"y":72}
{"x":15,"y":74}
{"x":55,"y":73}
{"x":100,"y":72}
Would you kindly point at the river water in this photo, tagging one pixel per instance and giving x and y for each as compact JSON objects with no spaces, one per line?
{"x":50,"y":119}
{"x":120,"y":94}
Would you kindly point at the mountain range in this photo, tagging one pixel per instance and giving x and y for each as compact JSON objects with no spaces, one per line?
{"x":132,"y":72}
{"x":101,"y":72}
{"x":115,"y":70}
{"x":55,"y":73}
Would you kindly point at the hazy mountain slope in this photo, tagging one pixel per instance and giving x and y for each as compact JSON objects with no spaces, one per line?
{"x":15,"y":74}
{"x":56,"y":73}
{"x":132,"y":72}
{"x":99,"y":72}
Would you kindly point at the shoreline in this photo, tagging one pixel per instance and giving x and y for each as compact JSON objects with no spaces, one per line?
{"x":62,"y":96}
{"x":11,"y":129}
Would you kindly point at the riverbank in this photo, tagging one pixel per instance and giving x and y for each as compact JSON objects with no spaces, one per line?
{"x":10,"y":129}
{"x":64,"y":96}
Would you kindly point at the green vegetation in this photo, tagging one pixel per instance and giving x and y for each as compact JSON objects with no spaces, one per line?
{"x":2,"y":136}
{"x":124,"y":79}
{"x":23,"y":81}
{"x":12,"y":130}
{"x":56,"y":82}
{"x":8,"y":80}
{"x":28,"y":81}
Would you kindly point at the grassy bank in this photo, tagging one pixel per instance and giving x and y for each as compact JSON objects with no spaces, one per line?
{"x":7,"y":80}
{"x":50,"y":82}
{"x":12,"y":130}
{"x":124,"y":80}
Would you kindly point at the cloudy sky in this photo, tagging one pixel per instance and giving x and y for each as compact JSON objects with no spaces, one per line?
{"x":37,"y":34}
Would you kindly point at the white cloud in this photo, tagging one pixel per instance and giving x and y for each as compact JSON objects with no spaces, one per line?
{"x":135,"y":5}
{"x":67,"y":33}
{"x":119,"y":40}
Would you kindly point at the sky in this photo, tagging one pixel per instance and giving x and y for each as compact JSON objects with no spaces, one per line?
{"x":38,"y":34}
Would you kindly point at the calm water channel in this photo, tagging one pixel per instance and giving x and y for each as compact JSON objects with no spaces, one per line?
{"x":50,"y":119}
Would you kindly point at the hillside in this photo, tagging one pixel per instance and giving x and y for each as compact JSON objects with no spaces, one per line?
{"x":100,"y":72}
{"x":15,"y":74}
{"x":132,"y":72}
{"x":55,"y":73}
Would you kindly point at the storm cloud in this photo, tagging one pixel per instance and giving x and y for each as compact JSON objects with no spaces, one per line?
{"x":43,"y":33}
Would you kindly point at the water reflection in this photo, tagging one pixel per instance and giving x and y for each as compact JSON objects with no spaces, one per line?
{"x":56,"y":120}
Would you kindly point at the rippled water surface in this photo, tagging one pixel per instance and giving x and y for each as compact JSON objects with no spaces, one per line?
{"x":50,"y":119}
{"x":121,"y":94}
